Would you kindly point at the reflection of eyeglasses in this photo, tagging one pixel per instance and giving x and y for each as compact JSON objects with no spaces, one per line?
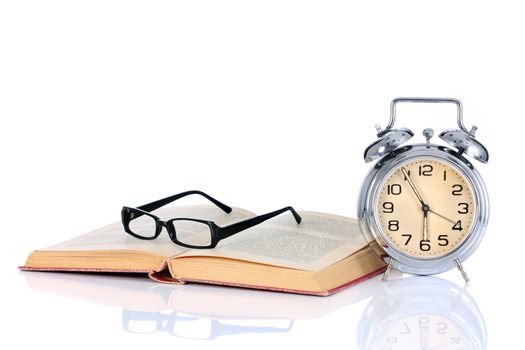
{"x":193,"y":327}
{"x":188,"y":232}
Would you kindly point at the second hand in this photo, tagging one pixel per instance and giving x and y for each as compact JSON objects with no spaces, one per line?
{"x":441,"y":216}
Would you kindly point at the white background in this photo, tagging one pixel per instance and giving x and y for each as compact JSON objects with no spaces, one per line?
{"x":262,"y":104}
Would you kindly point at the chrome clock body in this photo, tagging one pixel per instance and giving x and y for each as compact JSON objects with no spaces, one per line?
{"x":368,"y":203}
{"x":393,"y":159}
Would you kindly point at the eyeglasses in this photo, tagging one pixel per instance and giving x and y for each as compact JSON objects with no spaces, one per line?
{"x":188,"y":232}
{"x":191,"y":327}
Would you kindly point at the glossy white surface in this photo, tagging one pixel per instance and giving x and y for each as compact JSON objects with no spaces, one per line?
{"x":404,"y":313}
{"x":262,"y":104}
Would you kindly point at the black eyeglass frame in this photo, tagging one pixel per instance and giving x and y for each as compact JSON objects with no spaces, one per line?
{"x":166,"y":323}
{"x":217,"y":232}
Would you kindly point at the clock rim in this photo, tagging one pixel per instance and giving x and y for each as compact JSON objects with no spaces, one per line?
{"x":372,"y":232}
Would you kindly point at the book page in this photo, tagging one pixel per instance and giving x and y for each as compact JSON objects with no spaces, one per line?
{"x":318,"y":241}
{"x":113,"y":236}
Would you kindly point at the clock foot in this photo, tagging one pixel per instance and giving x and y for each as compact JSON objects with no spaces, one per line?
{"x":388,"y":269}
{"x":460,"y":268}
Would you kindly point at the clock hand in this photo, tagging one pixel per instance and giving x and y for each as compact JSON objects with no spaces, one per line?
{"x":425,"y":222}
{"x":441,"y":216}
{"x":413,"y":186}
{"x":424,"y":206}
{"x":423,"y":338}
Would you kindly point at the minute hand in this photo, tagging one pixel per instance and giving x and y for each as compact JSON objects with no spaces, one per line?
{"x":413,"y":186}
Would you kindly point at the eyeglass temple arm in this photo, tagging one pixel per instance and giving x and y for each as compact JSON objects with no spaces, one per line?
{"x":162,"y":202}
{"x":246,"y":224}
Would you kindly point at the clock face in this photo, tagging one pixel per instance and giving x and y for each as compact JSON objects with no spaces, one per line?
{"x":423,"y":331}
{"x":425,"y":208}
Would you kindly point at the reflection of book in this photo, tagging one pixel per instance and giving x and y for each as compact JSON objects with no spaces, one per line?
{"x":322,"y":255}
{"x":137,"y":294}
{"x":195,"y":310}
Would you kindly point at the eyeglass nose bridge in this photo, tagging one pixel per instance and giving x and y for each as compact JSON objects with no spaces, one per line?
{"x":170,"y":228}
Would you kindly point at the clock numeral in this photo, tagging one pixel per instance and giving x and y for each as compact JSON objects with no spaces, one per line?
{"x":394,"y":189}
{"x":455,"y":340}
{"x":463,"y":208}
{"x":388,"y":207}
{"x":456,"y":190}
{"x":408,"y":239}
{"x":405,"y":177}
{"x":407,"y":329}
{"x":441,"y":328}
{"x":443,"y":240}
{"x":425,"y":170}
{"x":444,"y":175}
{"x":424,"y":322}
{"x":391,"y":340}
{"x":457,"y":226}
{"x":393,"y":225}
{"x":424,"y":245}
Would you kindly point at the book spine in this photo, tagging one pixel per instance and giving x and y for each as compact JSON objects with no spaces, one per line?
{"x":164,"y":275}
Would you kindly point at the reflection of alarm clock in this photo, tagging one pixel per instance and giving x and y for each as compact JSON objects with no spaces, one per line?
{"x":424,"y":204}
{"x":422,"y":313}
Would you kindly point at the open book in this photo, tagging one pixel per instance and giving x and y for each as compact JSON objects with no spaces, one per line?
{"x":320,"y":256}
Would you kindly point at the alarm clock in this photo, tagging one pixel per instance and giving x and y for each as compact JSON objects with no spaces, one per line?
{"x":424,"y":204}
{"x":422,"y":313}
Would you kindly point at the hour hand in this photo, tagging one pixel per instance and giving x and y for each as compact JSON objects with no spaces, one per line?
{"x":414,"y":188}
